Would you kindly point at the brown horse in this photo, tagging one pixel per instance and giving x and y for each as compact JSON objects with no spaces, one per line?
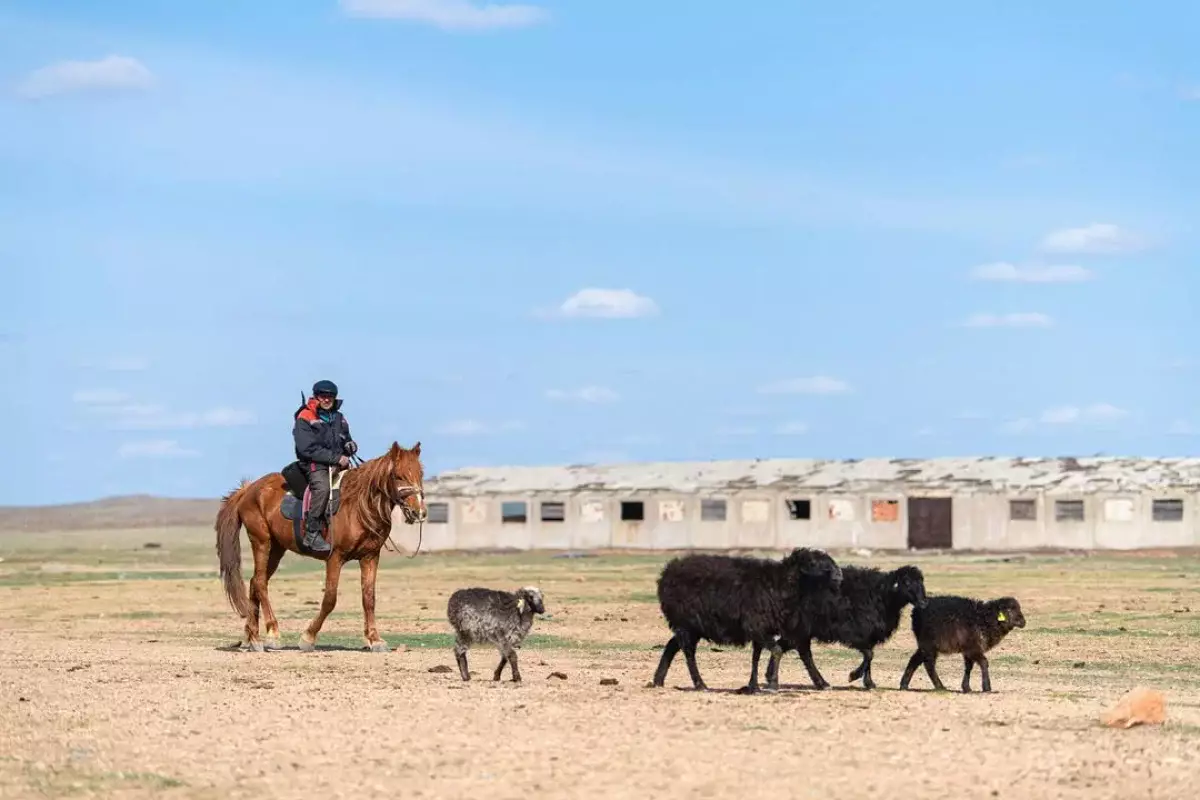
{"x":358,"y":530}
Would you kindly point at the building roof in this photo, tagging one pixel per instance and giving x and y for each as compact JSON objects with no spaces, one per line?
{"x":988,"y":474}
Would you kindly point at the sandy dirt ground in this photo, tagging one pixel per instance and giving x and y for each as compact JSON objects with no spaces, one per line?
{"x":116,"y":680}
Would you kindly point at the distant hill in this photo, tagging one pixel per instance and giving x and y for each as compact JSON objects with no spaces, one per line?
{"x":131,"y":511}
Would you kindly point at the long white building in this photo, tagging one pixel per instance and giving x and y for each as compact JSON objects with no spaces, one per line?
{"x":892,"y":504}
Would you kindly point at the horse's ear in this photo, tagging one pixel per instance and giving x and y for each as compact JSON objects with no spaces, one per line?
{"x":417,"y":448}
{"x":394,"y":450}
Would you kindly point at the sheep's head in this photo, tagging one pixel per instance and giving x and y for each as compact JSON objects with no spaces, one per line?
{"x":909,"y":585}
{"x":1008,"y":613}
{"x":530,"y":597}
{"x":815,"y":567}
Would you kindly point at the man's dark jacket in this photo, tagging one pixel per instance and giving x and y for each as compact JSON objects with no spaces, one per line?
{"x":318,"y":441}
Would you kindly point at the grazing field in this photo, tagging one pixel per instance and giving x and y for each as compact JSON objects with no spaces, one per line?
{"x":118,"y":680}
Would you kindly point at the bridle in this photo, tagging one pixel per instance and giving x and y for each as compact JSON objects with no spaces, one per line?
{"x":400,"y":493}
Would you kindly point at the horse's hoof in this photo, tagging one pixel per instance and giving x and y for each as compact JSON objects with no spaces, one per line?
{"x":747,"y":690}
{"x":307,"y":645}
{"x":380,"y":647}
{"x":272,"y":644}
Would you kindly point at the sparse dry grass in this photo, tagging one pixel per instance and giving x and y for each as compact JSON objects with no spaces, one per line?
{"x":116,"y":683}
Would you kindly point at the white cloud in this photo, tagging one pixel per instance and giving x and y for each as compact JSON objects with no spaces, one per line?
{"x":792,"y":429}
{"x":585,"y":394}
{"x":99,"y":397}
{"x":121,"y":413}
{"x":1182,"y":427}
{"x":821,"y":384}
{"x":1070,"y":415}
{"x":155,"y":448}
{"x":1003,"y":271}
{"x":449,"y":15}
{"x":1095,"y":414}
{"x":474,"y":427}
{"x":1025,"y":319}
{"x":1099,"y":238}
{"x":105,"y":74}
{"x":606,"y":304}
{"x":1022,"y":425}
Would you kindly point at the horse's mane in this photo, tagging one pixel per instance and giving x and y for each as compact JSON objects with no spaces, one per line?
{"x":367,"y":492}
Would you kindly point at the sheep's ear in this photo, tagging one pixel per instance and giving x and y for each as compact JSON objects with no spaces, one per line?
{"x":1002,"y":617}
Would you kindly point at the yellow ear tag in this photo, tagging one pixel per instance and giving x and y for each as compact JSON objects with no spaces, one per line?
{"x":520,"y":605}
{"x":1001,"y":617}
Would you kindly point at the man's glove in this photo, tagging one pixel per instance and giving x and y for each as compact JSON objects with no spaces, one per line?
{"x":351,"y":447}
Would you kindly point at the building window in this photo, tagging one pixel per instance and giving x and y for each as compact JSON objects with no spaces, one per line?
{"x":1068,"y":511}
{"x":1022,"y":510}
{"x":554,"y":512}
{"x":438,"y":512}
{"x":885,"y":510}
{"x":513,"y":511}
{"x":1167,"y":511}
{"x":633,"y":511}
{"x":712,"y":510}
{"x":799,"y":509}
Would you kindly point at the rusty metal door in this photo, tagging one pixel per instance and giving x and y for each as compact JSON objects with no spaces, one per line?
{"x":929,"y":523}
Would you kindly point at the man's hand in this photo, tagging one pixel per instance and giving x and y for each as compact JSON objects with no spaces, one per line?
{"x":351,"y":447}
{"x":344,"y":461}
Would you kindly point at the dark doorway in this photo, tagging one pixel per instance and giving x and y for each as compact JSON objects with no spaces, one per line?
{"x":929,"y":523}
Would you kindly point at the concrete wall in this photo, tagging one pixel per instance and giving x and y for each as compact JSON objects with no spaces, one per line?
{"x":763,"y":519}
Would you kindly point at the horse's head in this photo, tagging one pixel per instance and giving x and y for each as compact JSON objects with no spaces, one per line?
{"x":408,"y":482}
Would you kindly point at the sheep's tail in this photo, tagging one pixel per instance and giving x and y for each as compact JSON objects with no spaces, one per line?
{"x":229,"y":549}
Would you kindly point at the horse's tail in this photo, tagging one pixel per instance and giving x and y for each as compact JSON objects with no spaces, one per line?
{"x":229,"y":549}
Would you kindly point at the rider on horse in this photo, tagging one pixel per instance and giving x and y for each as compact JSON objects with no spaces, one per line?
{"x":322,"y":438}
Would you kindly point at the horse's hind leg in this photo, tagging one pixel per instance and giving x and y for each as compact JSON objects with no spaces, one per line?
{"x":269,"y":621}
{"x":258,"y":591}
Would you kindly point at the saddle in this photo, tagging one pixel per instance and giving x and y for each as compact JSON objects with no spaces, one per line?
{"x":296,"y":501}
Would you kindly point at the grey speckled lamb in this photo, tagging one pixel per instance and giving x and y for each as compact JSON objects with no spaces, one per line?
{"x":481,"y":616}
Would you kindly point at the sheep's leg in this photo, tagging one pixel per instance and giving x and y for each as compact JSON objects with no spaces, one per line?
{"x":500,"y":666}
{"x":967,"y":664}
{"x":930,"y":667}
{"x":688,"y":643}
{"x":913,"y":663}
{"x":864,"y":670}
{"x":664,"y":663}
{"x":805,"y":649}
{"x":460,"y":655}
{"x":512,"y":661}
{"x":756,"y":654}
{"x":987,"y":678}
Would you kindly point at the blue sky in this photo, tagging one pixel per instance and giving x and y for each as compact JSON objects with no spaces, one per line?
{"x":577,"y":231}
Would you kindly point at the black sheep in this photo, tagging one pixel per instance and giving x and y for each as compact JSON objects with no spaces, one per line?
{"x":951,"y":624}
{"x":735,"y":600}
{"x":863,"y":615}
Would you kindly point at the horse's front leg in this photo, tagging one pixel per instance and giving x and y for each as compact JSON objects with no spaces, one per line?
{"x":333,"y":571}
{"x":370,"y":568}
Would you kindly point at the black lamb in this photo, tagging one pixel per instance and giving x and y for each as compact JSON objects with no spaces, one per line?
{"x":735,"y":600}
{"x":952,"y":624}
{"x":863,"y":615}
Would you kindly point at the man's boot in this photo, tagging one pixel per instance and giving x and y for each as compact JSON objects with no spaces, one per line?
{"x":312,"y":537}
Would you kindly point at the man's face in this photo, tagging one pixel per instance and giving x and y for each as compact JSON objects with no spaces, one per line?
{"x":325,"y":401}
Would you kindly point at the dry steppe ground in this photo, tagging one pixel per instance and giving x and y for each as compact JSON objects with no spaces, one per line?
{"x":116,"y":680}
